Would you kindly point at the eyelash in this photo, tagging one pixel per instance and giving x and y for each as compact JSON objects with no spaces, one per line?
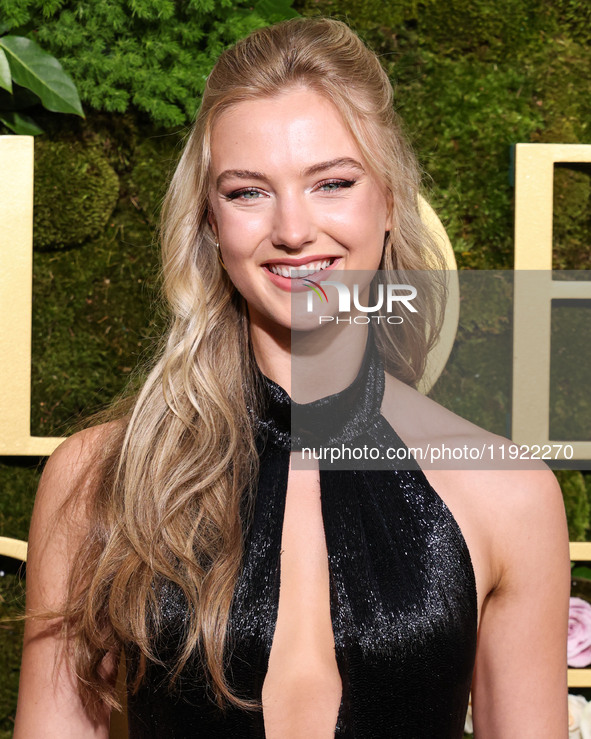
{"x":237,"y":193}
{"x":343,"y":184}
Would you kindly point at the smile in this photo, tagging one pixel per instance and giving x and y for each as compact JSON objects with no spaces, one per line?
{"x":306,"y":269}
{"x":291,"y":278}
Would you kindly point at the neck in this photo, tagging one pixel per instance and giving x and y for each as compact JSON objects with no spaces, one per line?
{"x":310,"y":365}
{"x":272,"y":351}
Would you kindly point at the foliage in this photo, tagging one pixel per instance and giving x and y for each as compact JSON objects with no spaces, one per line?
{"x":11,"y":637}
{"x":576,"y":503}
{"x":572,"y":218}
{"x":93,"y":303}
{"x":18,"y":480}
{"x":154,"y":162}
{"x":476,"y":380}
{"x":80,"y":179}
{"x":37,"y":77}
{"x":575,"y":18}
{"x":570,"y":341}
{"x":154,"y":56}
{"x":497,"y":30}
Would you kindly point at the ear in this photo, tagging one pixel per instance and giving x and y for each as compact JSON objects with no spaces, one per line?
{"x":390,"y":206}
{"x":212,"y":222}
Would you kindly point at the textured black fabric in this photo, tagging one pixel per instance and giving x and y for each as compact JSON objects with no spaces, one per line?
{"x":402,"y":589}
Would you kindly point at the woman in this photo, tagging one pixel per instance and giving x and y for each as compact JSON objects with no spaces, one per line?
{"x":400,"y":590}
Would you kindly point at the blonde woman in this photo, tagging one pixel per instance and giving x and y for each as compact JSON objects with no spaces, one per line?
{"x":254,"y":598}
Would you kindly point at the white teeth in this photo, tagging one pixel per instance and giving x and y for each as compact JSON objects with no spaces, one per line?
{"x":303,"y":271}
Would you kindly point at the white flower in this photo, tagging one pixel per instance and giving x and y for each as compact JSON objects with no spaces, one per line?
{"x":576,"y":706}
{"x":585,"y":721}
{"x":469,"y":726}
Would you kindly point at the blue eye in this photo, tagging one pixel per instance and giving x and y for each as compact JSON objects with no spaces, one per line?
{"x":244,"y":195}
{"x":336,"y":185}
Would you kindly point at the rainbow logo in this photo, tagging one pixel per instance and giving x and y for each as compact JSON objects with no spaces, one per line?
{"x":316,"y":288}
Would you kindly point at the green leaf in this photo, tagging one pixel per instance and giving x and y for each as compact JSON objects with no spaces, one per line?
{"x":40,"y":72}
{"x":20,"y":124}
{"x":584,"y":572}
{"x":20,"y":99}
{"x":274,"y":9}
{"x":5,"y":75}
{"x":23,"y":97}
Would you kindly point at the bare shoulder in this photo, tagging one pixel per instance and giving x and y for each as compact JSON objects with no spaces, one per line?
{"x":78,"y":450}
{"x":445,"y":440}
{"x":527,"y":522}
{"x":512,"y":507}
{"x":49,"y":703}
{"x":74,"y":461}
{"x":522,"y":640}
{"x":420,"y":417}
{"x":61,"y":513}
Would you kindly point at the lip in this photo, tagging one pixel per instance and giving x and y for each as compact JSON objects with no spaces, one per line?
{"x":297,"y":283}
{"x":298,"y":261}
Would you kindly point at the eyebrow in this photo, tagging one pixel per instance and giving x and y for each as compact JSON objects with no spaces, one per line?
{"x":246,"y":174}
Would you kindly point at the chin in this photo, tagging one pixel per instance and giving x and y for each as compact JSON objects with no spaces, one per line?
{"x":306,"y":322}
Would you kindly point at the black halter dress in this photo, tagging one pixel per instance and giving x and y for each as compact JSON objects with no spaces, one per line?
{"x":402,"y":590}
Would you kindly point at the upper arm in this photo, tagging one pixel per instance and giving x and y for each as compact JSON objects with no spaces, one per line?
{"x":519,"y":687}
{"x":49,"y":704}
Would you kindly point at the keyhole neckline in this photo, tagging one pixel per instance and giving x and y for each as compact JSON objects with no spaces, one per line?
{"x":334,"y":419}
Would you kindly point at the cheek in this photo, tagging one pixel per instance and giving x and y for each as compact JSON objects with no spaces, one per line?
{"x":363,"y":221}
{"x":241,"y":231}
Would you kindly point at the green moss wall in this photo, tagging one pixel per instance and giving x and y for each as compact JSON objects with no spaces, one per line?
{"x":472,"y":78}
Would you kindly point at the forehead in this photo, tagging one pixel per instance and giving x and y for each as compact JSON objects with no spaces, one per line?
{"x":284,"y":133}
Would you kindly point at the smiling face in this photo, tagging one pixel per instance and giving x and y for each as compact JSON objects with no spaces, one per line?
{"x":289,"y":188}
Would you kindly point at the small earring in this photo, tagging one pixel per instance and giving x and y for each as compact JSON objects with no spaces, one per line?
{"x":217,"y":246}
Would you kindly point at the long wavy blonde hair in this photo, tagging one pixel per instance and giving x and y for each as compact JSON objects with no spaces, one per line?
{"x":167,"y":497}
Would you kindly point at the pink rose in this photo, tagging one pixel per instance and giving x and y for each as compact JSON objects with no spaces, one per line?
{"x":579,"y":633}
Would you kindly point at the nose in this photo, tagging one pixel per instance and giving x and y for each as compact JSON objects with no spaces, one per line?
{"x":293,"y":224}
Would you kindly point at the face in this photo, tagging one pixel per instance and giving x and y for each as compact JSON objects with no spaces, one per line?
{"x":289,"y":188}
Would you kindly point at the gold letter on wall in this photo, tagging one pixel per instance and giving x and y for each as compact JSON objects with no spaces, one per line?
{"x":535,"y":289}
{"x":16,"y":286}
